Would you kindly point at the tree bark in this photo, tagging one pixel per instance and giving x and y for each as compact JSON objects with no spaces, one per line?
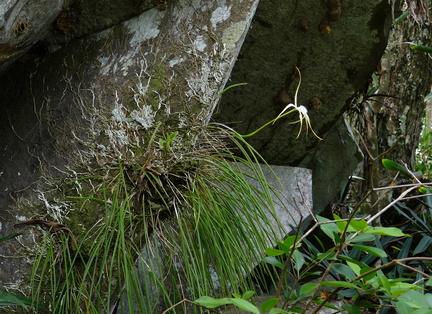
{"x":389,"y":123}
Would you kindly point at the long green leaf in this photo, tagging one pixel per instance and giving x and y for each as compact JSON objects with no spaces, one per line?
{"x":245,"y":305}
{"x":9,"y":236}
{"x":370,"y":250}
{"x":211,"y":302}
{"x":395,"y":166}
{"x":422,"y":48}
{"x":268,"y":304}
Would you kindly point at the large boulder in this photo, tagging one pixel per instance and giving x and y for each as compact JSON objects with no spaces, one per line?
{"x":22,"y":24}
{"x":336,"y":45}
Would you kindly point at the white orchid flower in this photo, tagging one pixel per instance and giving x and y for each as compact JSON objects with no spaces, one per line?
{"x":302,"y":111}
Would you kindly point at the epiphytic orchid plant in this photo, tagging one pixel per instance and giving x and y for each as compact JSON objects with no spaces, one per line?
{"x":302,"y":111}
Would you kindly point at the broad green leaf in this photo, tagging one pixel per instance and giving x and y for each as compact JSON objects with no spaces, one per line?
{"x":429,"y":282}
{"x":328,"y":256}
{"x":236,"y":295}
{"x":384,"y":283}
{"x":330,"y":229}
{"x":299,"y":260}
{"x":358,"y":225}
{"x":269,"y":304}
{"x":424,"y":243}
{"x":344,"y":270}
{"x":370,"y":250}
{"x":352,"y":260}
{"x":211,"y":302}
{"x":285,"y":249}
{"x":273,"y":261}
{"x":370,"y":276}
{"x":388,"y":231}
{"x":342,"y":284}
{"x":363,"y":237}
{"x":245,"y":305}
{"x":274,"y":252}
{"x":395,"y":166}
{"x":289,"y":241}
{"x":341,"y":225}
{"x":247,"y":295}
{"x":352,"y":309}
{"x":308,"y":288}
{"x":423,"y":189}
{"x":355,"y":268}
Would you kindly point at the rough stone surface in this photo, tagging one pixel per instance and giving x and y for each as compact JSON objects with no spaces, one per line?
{"x":22,"y":24}
{"x":39,"y":26}
{"x":336,"y":56}
{"x":80,"y":104}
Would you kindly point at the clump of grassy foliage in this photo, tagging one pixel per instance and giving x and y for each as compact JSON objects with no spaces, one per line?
{"x":173,"y":224}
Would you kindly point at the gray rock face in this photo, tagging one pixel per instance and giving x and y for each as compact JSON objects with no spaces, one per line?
{"x":336,"y":55}
{"x":22,"y":24}
{"x":84,"y":101}
{"x":52,"y":24}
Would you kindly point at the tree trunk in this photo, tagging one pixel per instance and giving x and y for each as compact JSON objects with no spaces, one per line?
{"x":389,"y":122}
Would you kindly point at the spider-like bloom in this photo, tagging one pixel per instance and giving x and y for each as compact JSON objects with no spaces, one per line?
{"x":302,"y":111}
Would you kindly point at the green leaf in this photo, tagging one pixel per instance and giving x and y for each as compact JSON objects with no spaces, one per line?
{"x":245,"y":305}
{"x":370,"y":250}
{"x":296,"y":309}
{"x":247,"y":295}
{"x":355,"y":268}
{"x":424,"y":243}
{"x":342,"y":284}
{"x":211,"y":302}
{"x":330,"y":229}
{"x":14,"y":299}
{"x":299,"y":260}
{"x":9,"y":236}
{"x":352,"y":309}
{"x":401,"y":17}
{"x":395,"y":166}
{"x":308,"y":288}
{"x":358,"y":225}
{"x":280,"y":311}
{"x":274,"y":252}
{"x":388,"y":231}
{"x":363,"y":237}
{"x":422,"y":48}
{"x":267,"y":305}
{"x":427,"y":97}
{"x":384,"y":283}
{"x":352,"y":260}
{"x":344,"y":270}
{"x":285,"y":249}
{"x":424,"y":190}
{"x":273,"y":261}
{"x":231,"y":86}
{"x":290,"y":241}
